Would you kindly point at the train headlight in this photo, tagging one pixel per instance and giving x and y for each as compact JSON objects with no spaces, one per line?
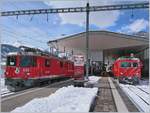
{"x":28,"y":73}
{"x":6,"y":73}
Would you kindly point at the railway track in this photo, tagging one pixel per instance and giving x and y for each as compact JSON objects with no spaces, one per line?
{"x":138,"y":96}
{"x":6,"y":93}
{"x":147,"y":92}
{"x":8,"y":103}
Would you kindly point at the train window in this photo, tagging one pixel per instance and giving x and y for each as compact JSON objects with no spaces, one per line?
{"x":47,"y":63}
{"x":135,"y":64}
{"x":125,"y":64}
{"x":26,"y":61}
{"x":61,"y":64}
{"x":34,"y":60}
{"x":11,"y":61}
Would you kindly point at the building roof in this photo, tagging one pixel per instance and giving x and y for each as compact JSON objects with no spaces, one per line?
{"x":100,"y":40}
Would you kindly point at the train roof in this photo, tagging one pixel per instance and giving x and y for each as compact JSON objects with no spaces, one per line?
{"x":38,"y":55}
{"x":127,"y":58}
{"x":36,"y":52}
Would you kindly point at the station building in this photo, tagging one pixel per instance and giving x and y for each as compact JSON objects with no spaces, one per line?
{"x":105,"y":47}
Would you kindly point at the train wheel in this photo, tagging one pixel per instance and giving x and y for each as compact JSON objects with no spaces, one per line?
{"x":120,"y":79}
{"x":14,"y":88}
{"x":135,"y":80}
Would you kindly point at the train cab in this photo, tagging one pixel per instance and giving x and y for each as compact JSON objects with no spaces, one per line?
{"x":127,"y":69}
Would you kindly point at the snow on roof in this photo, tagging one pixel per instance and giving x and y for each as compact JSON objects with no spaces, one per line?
{"x":130,"y":58}
{"x":66,"y":99}
{"x":12,"y":53}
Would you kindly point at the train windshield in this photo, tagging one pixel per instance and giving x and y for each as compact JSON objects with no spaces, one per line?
{"x":26,"y":61}
{"x":135,"y":64}
{"x":125,"y":64}
{"x":11,"y":61}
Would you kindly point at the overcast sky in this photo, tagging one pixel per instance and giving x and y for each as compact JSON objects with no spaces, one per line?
{"x":36,"y":30}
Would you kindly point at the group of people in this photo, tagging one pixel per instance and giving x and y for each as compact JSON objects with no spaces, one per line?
{"x":98,"y":69}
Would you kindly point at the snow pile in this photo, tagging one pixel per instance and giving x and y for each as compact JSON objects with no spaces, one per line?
{"x":3,"y":87}
{"x":144,"y":82}
{"x":66,"y":99}
{"x":139,"y":95}
{"x":93,"y":79}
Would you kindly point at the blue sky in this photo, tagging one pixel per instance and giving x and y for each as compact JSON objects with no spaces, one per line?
{"x":36,"y":30}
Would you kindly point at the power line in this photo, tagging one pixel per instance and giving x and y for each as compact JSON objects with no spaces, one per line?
{"x":8,"y":27}
{"x":16,"y":35}
{"x":28,"y":26}
{"x":77,"y":9}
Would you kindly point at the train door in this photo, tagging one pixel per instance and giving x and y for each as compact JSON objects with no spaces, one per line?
{"x":47,"y":64}
{"x":66,"y":68}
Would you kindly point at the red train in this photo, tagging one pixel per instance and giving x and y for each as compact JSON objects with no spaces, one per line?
{"x":31,"y":66}
{"x":127,"y":70}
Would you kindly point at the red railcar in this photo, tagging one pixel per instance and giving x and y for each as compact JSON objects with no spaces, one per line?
{"x":127,"y":70}
{"x":25,"y":69}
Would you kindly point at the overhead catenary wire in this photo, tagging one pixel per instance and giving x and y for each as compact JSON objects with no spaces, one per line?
{"x":78,"y":9}
{"x":36,"y":34}
{"x":16,"y":36}
{"x":17,"y":17}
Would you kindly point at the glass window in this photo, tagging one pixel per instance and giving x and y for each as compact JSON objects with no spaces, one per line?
{"x":125,"y":64}
{"x":11,"y":61}
{"x":26,"y":61}
{"x":47,"y":63}
{"x":135,"y":64}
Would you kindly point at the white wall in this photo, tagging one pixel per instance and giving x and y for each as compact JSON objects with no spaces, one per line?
{"x":96,"y":55}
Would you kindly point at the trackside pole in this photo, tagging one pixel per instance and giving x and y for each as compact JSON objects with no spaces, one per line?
{"x":87,"y":40}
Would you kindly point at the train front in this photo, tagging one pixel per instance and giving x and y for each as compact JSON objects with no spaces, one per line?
{"x":19,"y":71}
{"x":128,"y":70}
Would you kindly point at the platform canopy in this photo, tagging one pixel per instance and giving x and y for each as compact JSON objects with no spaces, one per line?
{"x":99,"y":41}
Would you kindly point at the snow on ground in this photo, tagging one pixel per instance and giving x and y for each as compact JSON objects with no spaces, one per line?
{"x":3,"y":87}
{"x":66,"y":99}
{"x":139,"y":95}
{"x":94,"y":79}
{"x":4,"y":91}
{"x":144,"y":88}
